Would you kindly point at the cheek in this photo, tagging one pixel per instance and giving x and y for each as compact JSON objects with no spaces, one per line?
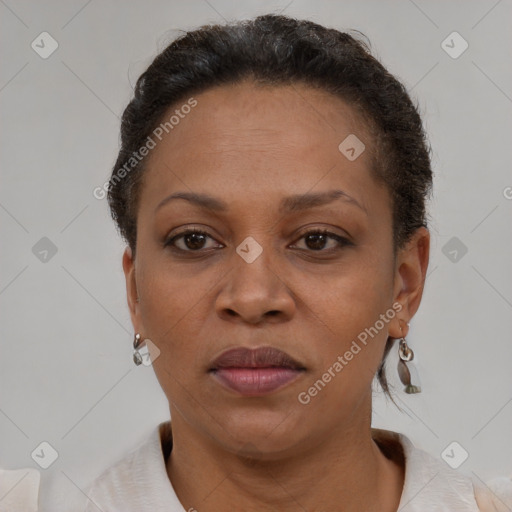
{"x":354,"y":297}
{"x":348,"y":313}
{"x":172,"y":294}
{"x":171,"y":314}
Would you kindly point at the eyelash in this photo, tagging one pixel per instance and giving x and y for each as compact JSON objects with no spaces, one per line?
{"x":341,"y":240}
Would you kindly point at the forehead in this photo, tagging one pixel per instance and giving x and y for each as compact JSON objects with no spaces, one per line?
{"x":262,"y":141}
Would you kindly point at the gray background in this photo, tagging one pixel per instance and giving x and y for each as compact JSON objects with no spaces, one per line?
{"x":66,"y":373}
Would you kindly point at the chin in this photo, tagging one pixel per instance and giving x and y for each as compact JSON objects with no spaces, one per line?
{"x":261,"y":434}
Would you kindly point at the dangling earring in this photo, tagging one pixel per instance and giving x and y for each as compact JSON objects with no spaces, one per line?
{"x":407,"y":370}
{"x":137,"y":358}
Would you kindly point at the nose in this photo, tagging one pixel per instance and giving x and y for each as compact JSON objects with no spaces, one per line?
{"x":255,"y":292}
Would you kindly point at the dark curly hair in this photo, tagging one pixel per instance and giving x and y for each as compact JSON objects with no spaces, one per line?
{"x":279,"y":50}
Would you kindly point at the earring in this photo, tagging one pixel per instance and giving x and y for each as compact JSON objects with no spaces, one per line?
{"x":407,"y":370}
{"x":137,"y":358}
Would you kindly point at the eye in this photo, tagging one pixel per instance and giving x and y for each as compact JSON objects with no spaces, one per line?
{"x":316,"y":240}
{"x":193,"y":240}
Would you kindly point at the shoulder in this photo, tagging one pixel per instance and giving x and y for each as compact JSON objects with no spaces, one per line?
{"x":494,"y":495}
{"x":137,"y":482}
{"x":19,"y":489}
{"x":116,"y":484}
{"x":430,"y":484}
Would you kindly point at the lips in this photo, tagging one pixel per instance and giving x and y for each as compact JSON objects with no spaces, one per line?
{"x":255,"y":372}
{"x":264,"y":357}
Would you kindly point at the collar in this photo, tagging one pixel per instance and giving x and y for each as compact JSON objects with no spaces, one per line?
{"x":140,"y":482}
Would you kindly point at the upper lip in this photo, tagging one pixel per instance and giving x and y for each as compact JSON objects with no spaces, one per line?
{"x":262,"y":357}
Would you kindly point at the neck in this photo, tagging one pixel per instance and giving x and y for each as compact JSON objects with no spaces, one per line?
{"x":345,"y":471}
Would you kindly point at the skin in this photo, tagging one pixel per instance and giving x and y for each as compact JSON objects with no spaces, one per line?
{"x":252,"y":146}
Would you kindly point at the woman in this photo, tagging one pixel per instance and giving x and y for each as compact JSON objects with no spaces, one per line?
{"x":271,"y":188}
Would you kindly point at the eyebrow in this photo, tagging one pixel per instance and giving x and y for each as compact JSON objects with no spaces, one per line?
{"x":290,"y":204}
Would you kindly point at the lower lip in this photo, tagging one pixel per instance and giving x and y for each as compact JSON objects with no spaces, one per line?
{"x":255,"y":381}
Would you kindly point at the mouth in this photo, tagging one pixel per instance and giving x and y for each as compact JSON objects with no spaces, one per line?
{"x":255,"y":372}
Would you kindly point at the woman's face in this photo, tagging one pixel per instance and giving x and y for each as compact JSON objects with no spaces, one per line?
{"x":312,"y":297}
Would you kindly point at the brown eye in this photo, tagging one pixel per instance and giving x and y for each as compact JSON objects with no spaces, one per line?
{"x":191,"y":240}
{"x":316,"y":240}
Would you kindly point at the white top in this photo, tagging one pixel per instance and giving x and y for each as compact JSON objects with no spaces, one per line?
{"x":139,"y":482}
{"x":19,"y":490}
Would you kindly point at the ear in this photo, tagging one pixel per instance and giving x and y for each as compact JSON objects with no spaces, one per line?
{"x":131,"y":289}
{"x":410,"y":273}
